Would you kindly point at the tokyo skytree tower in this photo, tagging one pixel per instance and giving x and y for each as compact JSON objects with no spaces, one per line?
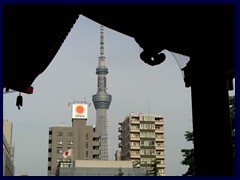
{"x":102,"y":100}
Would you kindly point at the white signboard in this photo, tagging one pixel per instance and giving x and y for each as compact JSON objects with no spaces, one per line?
{"x":79,"y":111}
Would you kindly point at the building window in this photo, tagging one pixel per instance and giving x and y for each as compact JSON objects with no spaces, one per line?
{"x":70,"y":142}
{"x":161,"y":162}
{"x":49,"y":159}
{"x":50,"y":141}
{"x":147,"y":118}
{"x":160,"y":136}
{"x":59,"y":133}
{"x":134,"y":127}
{"x":147,"y":134}
{"x":147,"y":160}
{"x":86,"y":136}
{"x":134,"y":152}
{"x":59,"y":143}
{"x":49,"y":168}
{"x":162,"y":170}
{"x":59,"y":151}
{"x":147,"y":126}
{"x":157,"y":144}
{"x":148,"y":152}
{"x":49,"y":150}
{"x":86,"y":145}
{"x":160,"y":153}
{"x":135,"y":135}
{"x":59,"y":160}
{"x":135,"y":143}
{"x":65,"y":164}
{"x":86,"y":153}
{"x":147,"y":143}
{"x":50,"y":132}
{"x":70,"y":133}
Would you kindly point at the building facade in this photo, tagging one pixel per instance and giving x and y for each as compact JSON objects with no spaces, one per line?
{"x":101,"y":101}
{"x":81,"y":139}
{"x":8,"y":149}
{"x":101,"y":168}
{"x":142,"y":140}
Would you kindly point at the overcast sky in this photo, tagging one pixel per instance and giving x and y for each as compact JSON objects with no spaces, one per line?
{"x":135,"y":87}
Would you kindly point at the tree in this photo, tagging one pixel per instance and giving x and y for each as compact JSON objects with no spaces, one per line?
{"x":153,"y":171}
{"x":120,"y":173}
{"x":188,"y":154}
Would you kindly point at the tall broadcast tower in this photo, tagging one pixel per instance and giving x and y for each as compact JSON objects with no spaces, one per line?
{"x":102,"y":101}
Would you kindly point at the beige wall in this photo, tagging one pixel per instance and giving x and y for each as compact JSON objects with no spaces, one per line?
{"x":102,"y":164}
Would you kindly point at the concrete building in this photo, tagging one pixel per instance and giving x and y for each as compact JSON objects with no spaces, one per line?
{"x":8,"y":149}
{"x":69,"y":143}
{"x":117,"y":155}
{"x":101,"y":168}
{"x":142,"y":140}
{"x":101,"y":101}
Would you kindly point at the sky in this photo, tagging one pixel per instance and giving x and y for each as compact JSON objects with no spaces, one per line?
{"x":135,"y":88}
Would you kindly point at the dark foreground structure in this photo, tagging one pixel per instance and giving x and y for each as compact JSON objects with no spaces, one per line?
{"x":33,"y":35}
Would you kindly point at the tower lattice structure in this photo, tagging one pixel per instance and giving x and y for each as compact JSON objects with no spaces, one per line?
{"x":102,"y":100}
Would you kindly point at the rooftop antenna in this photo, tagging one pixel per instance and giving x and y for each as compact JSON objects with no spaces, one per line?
{"x":83,"y":102}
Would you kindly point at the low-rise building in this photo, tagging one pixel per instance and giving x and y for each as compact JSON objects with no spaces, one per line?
{"x":100,"y":168}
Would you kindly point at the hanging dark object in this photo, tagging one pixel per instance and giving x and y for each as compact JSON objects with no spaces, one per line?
{"x":152,"y":57}
{"x":19,"y":101}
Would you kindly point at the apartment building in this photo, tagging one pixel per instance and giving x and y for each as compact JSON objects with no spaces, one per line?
{"x":142,"y":140}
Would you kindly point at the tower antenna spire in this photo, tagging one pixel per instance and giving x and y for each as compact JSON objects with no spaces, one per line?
{"x":101,"y":41}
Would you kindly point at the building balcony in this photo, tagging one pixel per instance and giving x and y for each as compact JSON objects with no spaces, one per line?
{"x":96,"y":157}
{"x":135,"y":156}
{"x":134,"y":130}
{"x":161,"y":165}
{"x":160,"y":156}
{"x":162,"y":174}
{"x":159,"y":131}
{"x":159,"y":122}
{"x":96,"y":152}
{"x":159,"y":139}
{"x":134,"y":138}
{"x":119,"y":129}
{"x":119,"y":145}
{"x":96,"y":135}
{"x":119,"y":137}
{"x":135,"y":122}
{"x":96,"y":143}
{"x":160,"y":148}
{"x":135,"y":147}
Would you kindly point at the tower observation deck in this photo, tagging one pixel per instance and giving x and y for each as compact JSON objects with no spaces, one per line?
{"x":101,"y":101}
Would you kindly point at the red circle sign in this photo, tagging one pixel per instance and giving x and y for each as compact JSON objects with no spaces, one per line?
{"x":80,"y":109}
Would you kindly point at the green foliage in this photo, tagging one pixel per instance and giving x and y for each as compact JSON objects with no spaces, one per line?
{"x":153,"y":171}
{"x":188,"y":154}
{"x":154,"y":168}
{"x":188,"y":136}
{"x":120,"y":173}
